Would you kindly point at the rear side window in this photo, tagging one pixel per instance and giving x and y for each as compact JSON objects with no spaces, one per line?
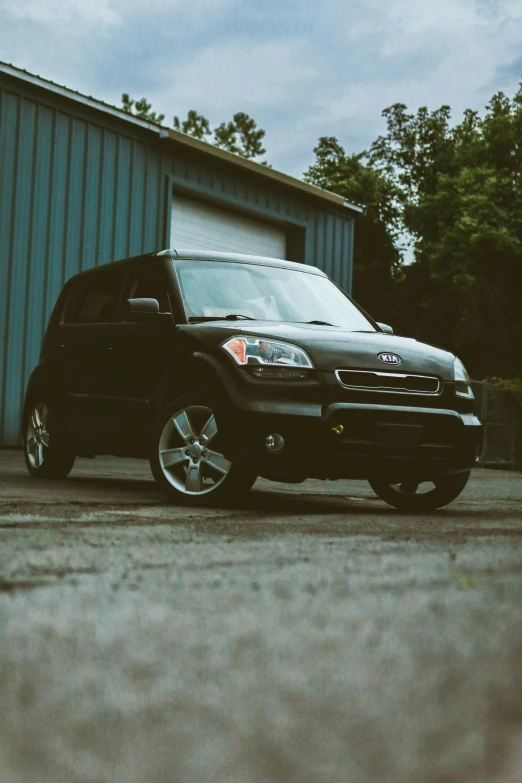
{"x":94,"y":300}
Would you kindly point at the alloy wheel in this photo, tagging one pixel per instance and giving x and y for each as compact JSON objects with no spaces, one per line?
{"x":189,"y":452}
{"x":412,"y":487}
{"x":37,"y":434}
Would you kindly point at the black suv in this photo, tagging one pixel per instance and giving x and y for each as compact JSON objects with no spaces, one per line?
{"x":220,"y":368}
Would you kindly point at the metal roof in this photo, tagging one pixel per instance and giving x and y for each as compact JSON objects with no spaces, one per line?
{"x":183,"y":139}
{"x":264,"y":171}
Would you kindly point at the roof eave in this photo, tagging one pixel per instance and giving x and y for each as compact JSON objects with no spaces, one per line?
{"x":204,"y":147}
{"x":92,"y":103}
{"x":177,"y":137}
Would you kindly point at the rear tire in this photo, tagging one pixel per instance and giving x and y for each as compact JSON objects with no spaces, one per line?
{"x":405,"y":496}
{"x":187,"y":458}
{"x":46,"y":451}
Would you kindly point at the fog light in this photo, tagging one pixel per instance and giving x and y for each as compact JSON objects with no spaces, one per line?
{"x":274,"y":442}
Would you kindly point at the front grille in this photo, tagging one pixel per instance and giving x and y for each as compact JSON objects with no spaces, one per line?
{"x":369,"y":380}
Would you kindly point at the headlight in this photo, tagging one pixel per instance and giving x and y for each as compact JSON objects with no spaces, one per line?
{"x":462,"y":387}
{"x":269,"y":358}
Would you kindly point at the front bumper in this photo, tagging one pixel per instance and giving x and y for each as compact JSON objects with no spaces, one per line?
{"x":327,"y":437}
{"x":355,"y":440}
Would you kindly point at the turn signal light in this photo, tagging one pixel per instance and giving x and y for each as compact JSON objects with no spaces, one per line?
{"x":238,"y":348}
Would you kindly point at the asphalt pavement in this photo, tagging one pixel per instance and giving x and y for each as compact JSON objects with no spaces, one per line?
{"x":311,"y":634}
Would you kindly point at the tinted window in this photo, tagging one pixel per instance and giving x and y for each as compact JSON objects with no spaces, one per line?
{"x":151,"y":284}
{"x":94,"y":300}
{"x":217,"y":288}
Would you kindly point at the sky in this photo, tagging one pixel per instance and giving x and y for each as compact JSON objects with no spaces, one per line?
{"x":302,"y":69}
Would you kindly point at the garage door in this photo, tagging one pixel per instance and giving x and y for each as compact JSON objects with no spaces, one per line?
{"x":203,"y":227}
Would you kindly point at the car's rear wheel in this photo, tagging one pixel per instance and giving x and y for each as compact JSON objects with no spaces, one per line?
{"x":189,"y":459}
{"x":47,"y":455}
{"x":411,"y":495}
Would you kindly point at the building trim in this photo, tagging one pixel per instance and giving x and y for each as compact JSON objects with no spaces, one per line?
{"x":92,"y":103}
{"x":257,"y":168}
{"x":228,"y":201}
{"x":169,"y":135}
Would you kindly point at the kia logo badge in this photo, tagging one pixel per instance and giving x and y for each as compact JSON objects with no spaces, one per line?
{"x":389,"y":358}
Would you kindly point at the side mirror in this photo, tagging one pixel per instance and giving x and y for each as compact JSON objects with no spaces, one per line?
{"x":142,"y":310}
{"x":385,"y":328}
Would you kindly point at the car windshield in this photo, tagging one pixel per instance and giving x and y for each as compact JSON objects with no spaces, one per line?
{"x":217,"y":289}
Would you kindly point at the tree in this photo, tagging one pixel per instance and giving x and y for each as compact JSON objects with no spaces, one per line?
{"x":453,"y":194}
{"x":459,"y":196}
{"x":195,"y":125}
{"x":377,"y":259}
{"x":141,"y":108}
{"x":240,"y":135}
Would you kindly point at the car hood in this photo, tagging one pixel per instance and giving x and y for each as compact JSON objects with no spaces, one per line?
{"x":332,"y":348}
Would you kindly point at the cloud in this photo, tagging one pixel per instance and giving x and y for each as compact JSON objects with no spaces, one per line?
{"x":239,"y":73}
{"x":57,"y":12}
{"x":107,"y":12}
{"x":302,"y":70}
{"x":452,"y":52}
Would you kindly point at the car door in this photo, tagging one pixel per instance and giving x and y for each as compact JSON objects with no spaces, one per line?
{"x":88,"y":319}
{"x":141,"y":356}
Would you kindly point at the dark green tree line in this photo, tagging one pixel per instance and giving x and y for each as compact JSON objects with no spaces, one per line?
{"x":454,"y":193}
{"x":377,"y":259}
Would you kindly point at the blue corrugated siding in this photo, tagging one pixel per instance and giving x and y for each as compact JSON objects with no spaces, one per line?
{"x":8,"y":159}
{"x":75,"y":193}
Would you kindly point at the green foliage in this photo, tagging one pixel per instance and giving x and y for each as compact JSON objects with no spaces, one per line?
{"x":377,"y":260}
{"x":240,"y":135}
{"x":511,"y":385}
{"x":195,"y":125}
{"x":459,"y":200}
{"x":452,"y":194}
{"x":141,"y":108}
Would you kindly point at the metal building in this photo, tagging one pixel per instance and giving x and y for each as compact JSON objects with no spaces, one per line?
{"x":82,"y":183}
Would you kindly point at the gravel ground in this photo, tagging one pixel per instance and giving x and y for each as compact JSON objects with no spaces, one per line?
{"x":312,"y":635}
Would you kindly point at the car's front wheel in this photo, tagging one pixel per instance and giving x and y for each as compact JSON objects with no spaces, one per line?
{"x":188,"y":458}
{"x":47,"y":454}
{"x":414,"y":496}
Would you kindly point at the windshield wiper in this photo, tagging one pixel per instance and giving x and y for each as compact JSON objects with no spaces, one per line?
{"x":319,"y":323}
{"x":229,"y":317}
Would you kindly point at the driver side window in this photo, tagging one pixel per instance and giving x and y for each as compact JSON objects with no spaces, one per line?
{"x":150,"y":284}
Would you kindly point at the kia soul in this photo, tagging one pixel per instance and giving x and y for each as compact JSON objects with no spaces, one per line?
{"x":220,"y":368}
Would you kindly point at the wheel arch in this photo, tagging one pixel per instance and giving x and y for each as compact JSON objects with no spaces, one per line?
{"x":202,"y":373}
{"x":42,"y":380}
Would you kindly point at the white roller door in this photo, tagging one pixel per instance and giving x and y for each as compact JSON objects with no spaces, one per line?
{"x":203,"y":227}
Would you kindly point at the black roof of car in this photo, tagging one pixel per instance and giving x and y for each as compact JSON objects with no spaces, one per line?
{"x":208,"y":255}
{"x":240,"y":258}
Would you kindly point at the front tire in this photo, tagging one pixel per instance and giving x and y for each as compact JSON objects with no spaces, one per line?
{"x":47,"y":455}
{"x":408,"y":495}
{"x":187,"y":457}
